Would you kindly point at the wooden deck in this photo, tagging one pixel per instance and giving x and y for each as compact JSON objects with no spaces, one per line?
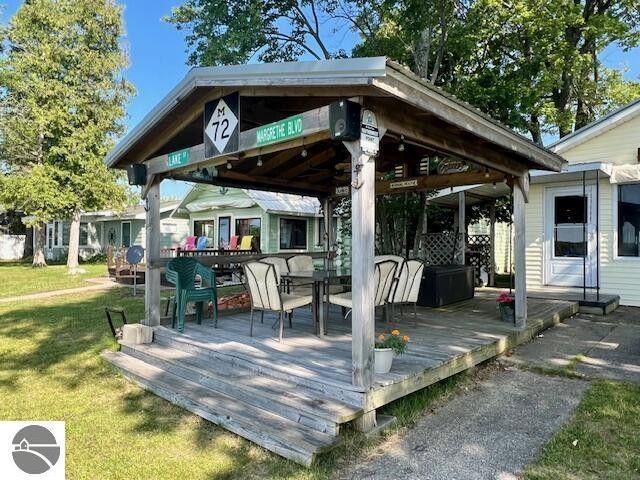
{"x":292,"y":397}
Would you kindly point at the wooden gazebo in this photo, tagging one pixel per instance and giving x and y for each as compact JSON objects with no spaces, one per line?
{"x":280,"y":127}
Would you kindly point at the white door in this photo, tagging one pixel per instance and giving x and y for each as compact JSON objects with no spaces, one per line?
{"x":565,"y":211}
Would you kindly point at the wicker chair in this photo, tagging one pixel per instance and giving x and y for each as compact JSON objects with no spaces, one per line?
{"x":182,"y":272}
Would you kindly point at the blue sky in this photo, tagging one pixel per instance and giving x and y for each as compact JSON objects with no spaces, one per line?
{"x":157,"y":55}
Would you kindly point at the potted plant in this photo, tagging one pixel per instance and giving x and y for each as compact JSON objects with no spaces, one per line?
{"x":506,"y":305}
{"x":386,"y":347}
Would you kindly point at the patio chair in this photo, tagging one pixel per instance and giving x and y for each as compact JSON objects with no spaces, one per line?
{"x":201,"y":243}
{"x":233,"y":243}
{"x":281,"y":267}
{"x":245,"y":242}
{"x":300,"y":263}
{"x":399,"y":278}
{"x":383,"y":279}
{"x":408,"y":289}
{"x":182,"y":273}
{"x":190,"y":243}
{"x":262,"y":283}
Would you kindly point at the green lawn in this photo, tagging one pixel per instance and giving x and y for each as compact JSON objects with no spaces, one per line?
{"x":606,"y":433}
{"x":19,"y":278}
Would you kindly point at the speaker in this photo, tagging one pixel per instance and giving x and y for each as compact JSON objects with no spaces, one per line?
{"x":137,"y":174}
{"x":344,"y":120}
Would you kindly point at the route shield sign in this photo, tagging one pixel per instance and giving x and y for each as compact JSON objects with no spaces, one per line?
{"x":222,"y":125}
{"x":369,"y":135}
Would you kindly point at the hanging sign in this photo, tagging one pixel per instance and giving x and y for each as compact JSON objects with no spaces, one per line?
{"x":178,"y":159}
{"x":280,"y":131}
{"x":343,"y":191}
{"x":369,"y":135}
{"x":222,"y":125}
{"x":403,"y":184}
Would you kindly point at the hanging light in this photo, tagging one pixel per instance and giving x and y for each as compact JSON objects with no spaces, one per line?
{"x":494,"y":185}
{"x":229,"y":166}
{"x":259,"y":161}
{"x":304,"y":153}
{"x":486,"y":173}
{"x":401,"y":144}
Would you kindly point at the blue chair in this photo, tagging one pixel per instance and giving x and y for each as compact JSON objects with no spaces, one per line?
{"x":202,"y":243}
{"x":182,"y":272}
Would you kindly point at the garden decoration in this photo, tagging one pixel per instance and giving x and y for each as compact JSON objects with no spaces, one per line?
{"x":386,"y":347}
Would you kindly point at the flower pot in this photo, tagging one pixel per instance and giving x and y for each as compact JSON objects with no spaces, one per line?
{"x":507,"y":312}
{"x":383,"y":359}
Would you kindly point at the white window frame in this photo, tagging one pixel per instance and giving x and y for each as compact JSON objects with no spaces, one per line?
{"x":122,"y":234}
{"x":614,"y":215}
{"x":88,"y":242}
{"x":291,"y":217}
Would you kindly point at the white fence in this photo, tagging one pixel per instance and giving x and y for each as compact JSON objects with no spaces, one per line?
{"x":12,"y":247}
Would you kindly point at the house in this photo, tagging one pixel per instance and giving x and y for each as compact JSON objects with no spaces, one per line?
{"x":282,"y":222}
{"x":597,"y":198}
{"x":101,"y":229}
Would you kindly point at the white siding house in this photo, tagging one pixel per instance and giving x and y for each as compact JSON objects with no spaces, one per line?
{"x":608,"y":148}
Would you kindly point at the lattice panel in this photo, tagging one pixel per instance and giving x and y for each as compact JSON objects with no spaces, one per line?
{"x":443,"y":248}
{"x":479,"y":253}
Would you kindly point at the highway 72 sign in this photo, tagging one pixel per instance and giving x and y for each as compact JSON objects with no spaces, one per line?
{"x":222,"y":125}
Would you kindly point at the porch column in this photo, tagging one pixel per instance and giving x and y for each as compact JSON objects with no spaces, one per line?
{"x":462,"y":225}
{"x":327,"y":209}
{"x":520,"y":254}
{"x":362,"y":264}
{"x":492,"y":243}
{"x":152,"y":250}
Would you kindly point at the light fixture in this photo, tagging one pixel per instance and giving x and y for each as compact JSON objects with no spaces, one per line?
{"x":486,"y":173}
{"x":304,"y":153}
{"x":229,"y":166}
{"x":401,"y":144}
{"x":494,"y":185}
{"x":259,"y":161}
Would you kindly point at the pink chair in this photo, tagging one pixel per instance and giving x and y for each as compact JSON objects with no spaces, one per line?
{"x":190,"y":243}
{"x":233,"y":243}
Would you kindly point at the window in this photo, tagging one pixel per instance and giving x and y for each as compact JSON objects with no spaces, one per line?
{"x":293,"y":234}
{"x":169,"y":228}
{"x":66,"y":233}
{"x":224,"y":231}
{"x":56,"y":226}
{"x":629,"y":220}
{"x":126,"y":234}
{"x":84,"y":234}
{"x":203,"y":228}
{"x":248,"y":226}
{"x":570,"y":213}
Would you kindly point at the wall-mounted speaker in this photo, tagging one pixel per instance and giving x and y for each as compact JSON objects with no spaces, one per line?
{"x":137,"y":174}
{"x":344,"y":119}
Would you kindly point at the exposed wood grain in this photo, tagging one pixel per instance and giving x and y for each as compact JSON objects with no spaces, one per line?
{"x":520,"y":254}
{"x":152,"y":251}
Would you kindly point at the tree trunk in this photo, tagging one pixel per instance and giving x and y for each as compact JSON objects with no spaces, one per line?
{"x":39,"y":233}
{"x":73,"y":267}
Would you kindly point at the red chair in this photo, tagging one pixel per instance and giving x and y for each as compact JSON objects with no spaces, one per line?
{"x":190,"y":243}
{"x":233,"y":243}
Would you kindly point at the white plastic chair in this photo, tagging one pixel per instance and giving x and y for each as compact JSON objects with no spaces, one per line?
{"x":262,"y":283}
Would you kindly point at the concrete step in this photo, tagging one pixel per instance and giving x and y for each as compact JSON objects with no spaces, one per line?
{"x":280,"y":435}
{"x":297,"y":403}
{"x":270,"y":364}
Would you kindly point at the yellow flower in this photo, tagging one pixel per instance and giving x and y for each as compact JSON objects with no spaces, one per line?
{"x":405,"y":338}
{"x":395,"y":332}
{"x":381,"y":338}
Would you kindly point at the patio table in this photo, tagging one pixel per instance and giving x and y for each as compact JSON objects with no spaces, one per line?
{"x":321,"y":280}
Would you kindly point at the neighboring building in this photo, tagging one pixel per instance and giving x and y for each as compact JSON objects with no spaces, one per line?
{"x":283,"y":222}
{"x":101,"y":229}
{"x":608,"y":148}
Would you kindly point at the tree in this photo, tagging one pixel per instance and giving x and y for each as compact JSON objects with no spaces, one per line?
{"x":62,"y":107}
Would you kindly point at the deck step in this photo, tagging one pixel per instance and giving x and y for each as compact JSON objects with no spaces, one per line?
{"x":280,"y":435}
{"x":274,"y":364}
{"x":298,"y":403}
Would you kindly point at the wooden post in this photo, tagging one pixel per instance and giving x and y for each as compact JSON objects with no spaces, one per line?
{"x":362,"y":264}
{"x":152,"y":272}
{"x":492,"y":243}
{"x":520,"y":255}
{"x":327,"y":209}
{"x":462,"y":226}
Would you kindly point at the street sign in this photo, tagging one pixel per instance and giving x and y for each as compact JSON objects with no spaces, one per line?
{"x":178,"y":159}
{"x":343,"y":191}
{"x":222,"y":125}
{"x":403,"y":184}
{"x":280,"y":131}
{"x":369,"y":135}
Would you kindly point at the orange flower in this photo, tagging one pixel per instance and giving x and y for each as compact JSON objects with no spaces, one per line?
{"x":405,"y":338}
{"x":395,"y":332}
{"x":381,"y":338}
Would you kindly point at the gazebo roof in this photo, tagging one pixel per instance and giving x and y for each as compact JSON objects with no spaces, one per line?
{"x":277,"y":90}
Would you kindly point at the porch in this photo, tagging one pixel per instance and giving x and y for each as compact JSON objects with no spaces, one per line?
{"x":294,"y":397}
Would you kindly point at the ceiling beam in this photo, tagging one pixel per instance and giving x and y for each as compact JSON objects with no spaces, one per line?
{"x":436,"y":182}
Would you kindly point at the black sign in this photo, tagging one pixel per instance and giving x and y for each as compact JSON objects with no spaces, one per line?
{"x":222,"y":125}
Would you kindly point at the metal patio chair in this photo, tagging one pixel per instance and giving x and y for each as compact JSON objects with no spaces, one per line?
{"x":182,"y":272}
{"x":264,"y":289}
{"x":409,"y":286}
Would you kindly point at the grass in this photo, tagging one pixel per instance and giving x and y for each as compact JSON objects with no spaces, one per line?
{"x":19,"y":278}
{"x":605,"y":432}
{"x":51,"y":370}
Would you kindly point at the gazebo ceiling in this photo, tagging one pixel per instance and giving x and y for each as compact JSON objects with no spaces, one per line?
{"x":425,"y":120}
